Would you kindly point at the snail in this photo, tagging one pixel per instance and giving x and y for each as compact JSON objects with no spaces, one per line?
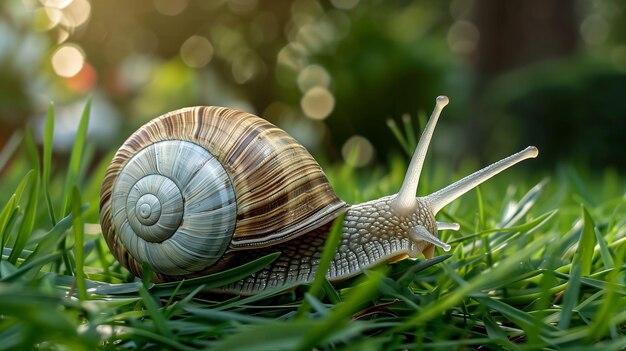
{"x":202,"y":189}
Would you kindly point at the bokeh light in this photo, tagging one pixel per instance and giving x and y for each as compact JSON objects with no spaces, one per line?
{"x":594,"y":29}
{"x":463,"y":37}
{"x":46,"y":18}
{"x":76,"y":13}
{"x":196,"y":51}
{"x":68,"y":60}
{"x":170,"y":7}
{"x":357,"y":151}
{"x":317,"y":103}
{"x":313,"y":76}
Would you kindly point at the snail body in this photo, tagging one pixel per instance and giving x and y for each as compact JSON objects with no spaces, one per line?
{"x":202,"y":189}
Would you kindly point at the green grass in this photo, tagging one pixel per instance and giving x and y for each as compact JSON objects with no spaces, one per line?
{"x":539,"y":263}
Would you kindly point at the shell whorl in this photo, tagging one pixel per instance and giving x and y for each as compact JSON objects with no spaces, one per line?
{"x":174,"y":207}
{"x":243,"y":183}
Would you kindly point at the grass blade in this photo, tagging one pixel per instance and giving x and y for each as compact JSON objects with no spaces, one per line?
{"x":411,"y":134}
{"x":76,"y":157}
{"x":605,"y":253}
{"x":503,"y":269}
{"x":79,"y":244}
{"x":28,"y":220}
{"x":397,"y":133}
{"x":341,"y":314}
{"x":611,"y":303}
{"x":51,"y":238}
{"x":154,"y":312}
{"x":570,"y":298}
{"x":211,"y":281}
{"x":586,"y":243}
{"x":330,"y":247}
{"x":5,"y":215}
{"x":48,"y":139}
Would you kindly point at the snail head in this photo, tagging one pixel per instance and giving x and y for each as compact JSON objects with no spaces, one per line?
{"x":406,"y":203}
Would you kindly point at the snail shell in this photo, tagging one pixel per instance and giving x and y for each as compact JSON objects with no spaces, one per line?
{"x":198,"y":182}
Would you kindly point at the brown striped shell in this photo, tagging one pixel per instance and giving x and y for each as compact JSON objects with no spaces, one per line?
{"x":198,"y":182}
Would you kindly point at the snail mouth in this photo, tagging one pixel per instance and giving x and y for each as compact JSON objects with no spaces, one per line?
{"x":399,"y":257}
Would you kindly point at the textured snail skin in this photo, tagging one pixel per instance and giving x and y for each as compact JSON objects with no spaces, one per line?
{"x":203,"y":189}
{"x":371,"y":234}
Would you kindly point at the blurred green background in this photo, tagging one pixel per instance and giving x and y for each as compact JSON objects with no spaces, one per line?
{"x":544,"y":72}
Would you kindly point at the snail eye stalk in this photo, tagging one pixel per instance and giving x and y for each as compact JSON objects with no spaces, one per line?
{"x":405,"y":201}
{"x":439,"y":199}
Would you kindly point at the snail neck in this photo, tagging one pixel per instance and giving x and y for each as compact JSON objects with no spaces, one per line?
{"x":374,"y":232}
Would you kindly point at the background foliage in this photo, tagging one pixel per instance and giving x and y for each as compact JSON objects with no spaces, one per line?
{"x":521,"y":72}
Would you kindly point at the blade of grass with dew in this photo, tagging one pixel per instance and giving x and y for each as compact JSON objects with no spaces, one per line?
{"x":48,"y":139}
{"x":76,"y":157}
{"x":79,"y":239}
{"x":330,"y":248}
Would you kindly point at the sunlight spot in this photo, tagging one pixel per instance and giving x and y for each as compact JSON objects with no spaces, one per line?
{"x":46,"y":18}
{"x":196,"y":51}
{"x":594,"y":29}
{"x":76,"y":13}
{"x":170,"y":7}
{"x":463,"y":37}
{"x":59,"y":4}
{"x":317,"y":103}
{"x":357,"y":151}
{"x":68,"y":60}
{"x":313,"y":76}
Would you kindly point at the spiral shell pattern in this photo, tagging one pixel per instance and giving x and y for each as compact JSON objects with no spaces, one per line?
{"x":156,"y":225}
{"x":199,"y":182}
